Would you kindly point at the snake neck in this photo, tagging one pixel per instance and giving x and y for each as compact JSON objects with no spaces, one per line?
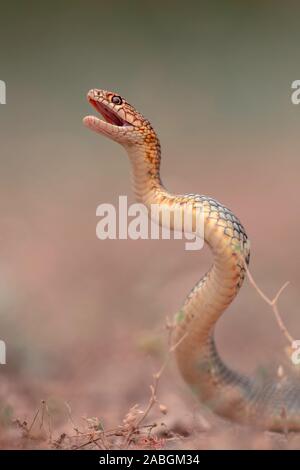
{"x":145,"y":171}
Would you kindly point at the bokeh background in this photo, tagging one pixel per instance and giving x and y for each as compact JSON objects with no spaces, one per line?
{"x":84,"y":319}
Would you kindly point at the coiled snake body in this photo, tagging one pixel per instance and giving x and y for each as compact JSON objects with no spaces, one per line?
{"x":272,"y":405}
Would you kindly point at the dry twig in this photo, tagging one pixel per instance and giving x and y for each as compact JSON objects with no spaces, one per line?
{"x":273,"y":303}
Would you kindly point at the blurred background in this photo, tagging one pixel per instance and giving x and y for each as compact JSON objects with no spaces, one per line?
{"x":83,"y":319}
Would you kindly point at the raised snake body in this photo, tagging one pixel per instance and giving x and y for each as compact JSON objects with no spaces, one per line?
{"x":271,"y":405}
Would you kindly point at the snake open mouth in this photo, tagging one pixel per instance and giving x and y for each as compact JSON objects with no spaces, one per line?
{"x":107,"y":113}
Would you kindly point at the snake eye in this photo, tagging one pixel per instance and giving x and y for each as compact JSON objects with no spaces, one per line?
{"x":116,"y":99}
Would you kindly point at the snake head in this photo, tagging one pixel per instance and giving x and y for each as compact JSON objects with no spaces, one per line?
{"x":121,"y":122}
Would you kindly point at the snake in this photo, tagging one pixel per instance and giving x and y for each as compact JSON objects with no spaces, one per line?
{"x":271,"y":404}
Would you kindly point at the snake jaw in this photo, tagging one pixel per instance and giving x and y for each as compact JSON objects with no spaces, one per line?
{"x":121,"y":122}
{"x":113,"y":124}
{"x":111,"y":115}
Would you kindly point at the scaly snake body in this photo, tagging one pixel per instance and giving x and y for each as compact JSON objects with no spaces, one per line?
{"x":272,"y":405}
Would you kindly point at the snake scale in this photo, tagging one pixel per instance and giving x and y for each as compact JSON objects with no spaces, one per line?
{"x":272,"y":405}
